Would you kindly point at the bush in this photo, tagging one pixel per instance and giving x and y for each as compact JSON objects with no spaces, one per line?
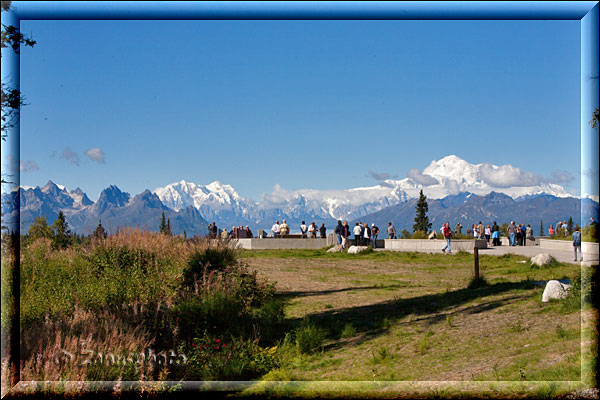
{"x":204,"y":261}
{"x":309,"y":337}
{"x":212,"y":359}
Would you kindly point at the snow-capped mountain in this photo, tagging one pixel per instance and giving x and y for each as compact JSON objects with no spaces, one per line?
{"x":191,"y":205}
{"x":447,"y":176}
{"x":452,"y":175}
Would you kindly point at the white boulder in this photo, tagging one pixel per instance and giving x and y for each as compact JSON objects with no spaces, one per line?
{"x":542,"y":259}
{"x":555,"y":290}
{"x":357,"y":249}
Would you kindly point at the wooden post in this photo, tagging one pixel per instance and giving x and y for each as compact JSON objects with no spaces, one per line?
{"x":15,"y":312}
{"x":476,"y":256}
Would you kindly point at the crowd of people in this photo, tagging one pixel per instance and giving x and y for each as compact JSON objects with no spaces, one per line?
{"x":236,"y":232}
{"x":365,"y":234}
{"x":310,"y":231}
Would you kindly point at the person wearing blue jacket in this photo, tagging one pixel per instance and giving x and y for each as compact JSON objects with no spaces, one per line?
{"x":577,"y":243}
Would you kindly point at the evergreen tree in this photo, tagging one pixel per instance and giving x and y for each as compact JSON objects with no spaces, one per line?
{"x":62,"y":234}
{"x":100,"y":232}
{"x":163,"y":224}
{"x":421,"y":219}
{"x":570,"y":226}
{"x":40,"y":229}
{"x":168,"y":232}
{"x":541,"y":228}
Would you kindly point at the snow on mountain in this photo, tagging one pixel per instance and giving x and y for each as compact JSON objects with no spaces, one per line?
{"x":448,"y":176}
{"x":452,"y":175}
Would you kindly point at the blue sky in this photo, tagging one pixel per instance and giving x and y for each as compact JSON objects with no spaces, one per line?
{"x":302,"y":104}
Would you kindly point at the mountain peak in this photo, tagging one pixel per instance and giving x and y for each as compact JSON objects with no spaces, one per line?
{"x":113,"y":195}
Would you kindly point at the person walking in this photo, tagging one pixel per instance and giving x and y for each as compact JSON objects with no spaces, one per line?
{"x":577,"y":243}
{"x":275,"y":229}
{"x":338,"y":231}
{"x":391,"y":231}
{"x":447,"y":235}
{"x":374,"y":233}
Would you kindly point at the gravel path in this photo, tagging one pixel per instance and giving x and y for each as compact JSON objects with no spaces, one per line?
{"x":528,"y":251}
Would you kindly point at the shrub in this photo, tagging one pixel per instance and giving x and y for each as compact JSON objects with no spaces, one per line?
{"x":211,"y":359}
{"x":309,"y":337}
{"x":204,"y":261}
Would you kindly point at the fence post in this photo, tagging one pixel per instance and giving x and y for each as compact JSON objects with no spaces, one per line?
{"x":476,"y":260}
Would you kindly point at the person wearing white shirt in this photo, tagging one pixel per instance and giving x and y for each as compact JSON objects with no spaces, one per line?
{"x":275,"y":229}
{"x":312,"y":230}
{"x":357,"y":230}
{"x":303,"y":229}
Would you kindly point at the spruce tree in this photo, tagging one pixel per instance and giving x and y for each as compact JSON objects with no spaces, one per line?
{"x":100,"y":232}
{"x":168,"y":231}
{"x":421,"y":219}
{"x":163,"y":224}
{"x":570,"y":226}
{"x":541,"y":228}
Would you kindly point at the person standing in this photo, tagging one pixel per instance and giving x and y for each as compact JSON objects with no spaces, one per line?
{"x":481,"y":230}
{"x":529,"y":233}
{"x":357,"y":230}
{"x":312,"y":230}
{"x":391,"y":231}
{"x":577,"y":243}
{"x":224,"y":234}
{"x":512,"y":230}
{"x":284,"y":228}
{"x":374,"y":233}
{"x":338,"y":231}
{"x":275,"y":229}
{"x":551,"y":231}
{"x":303,"y":229}
{"x":345,"y":234}
{"x":524,"y":234}
{"x":458,"y":228}
{"x":323,"y":231}
{"x":249,"y":232}
{"x":518,"y":236}
{"x":495,"y":234}
{"x":488,"y":233}
{"x":366,"y":234}
{"x":447,"y":235}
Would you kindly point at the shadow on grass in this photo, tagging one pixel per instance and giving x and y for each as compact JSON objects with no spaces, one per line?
{"x":374,"y":319}
{"x":290,"y":295}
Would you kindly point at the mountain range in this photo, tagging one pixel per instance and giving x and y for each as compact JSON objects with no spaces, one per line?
{"x":456,"y":190}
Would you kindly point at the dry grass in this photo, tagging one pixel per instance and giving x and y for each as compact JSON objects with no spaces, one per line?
{"x":399,"y":309}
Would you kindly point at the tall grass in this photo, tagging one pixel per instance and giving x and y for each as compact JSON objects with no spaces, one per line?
{"x":137,"y":291}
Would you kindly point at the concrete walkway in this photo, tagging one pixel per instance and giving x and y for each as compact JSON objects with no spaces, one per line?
{"x":526,"y":251}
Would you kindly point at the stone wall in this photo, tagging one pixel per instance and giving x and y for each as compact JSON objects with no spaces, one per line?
{"x":434,"y":245}
{"x":567,"y":245}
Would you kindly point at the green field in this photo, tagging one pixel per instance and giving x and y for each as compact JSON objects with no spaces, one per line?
{"x":308,"y":323}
